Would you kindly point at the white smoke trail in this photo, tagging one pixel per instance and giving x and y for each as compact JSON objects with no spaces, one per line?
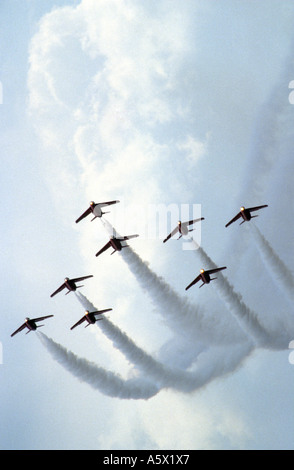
{"x":272,"y":129}
{"x":277,"y":269}
{"x":213,"y":364}
{"x":105,"y":381}
{"x":182,"y":315}
{"x":208,"y":367}
{"x":160,"y":373}
{"x":246,"y":317}
{"x":185,"y":316}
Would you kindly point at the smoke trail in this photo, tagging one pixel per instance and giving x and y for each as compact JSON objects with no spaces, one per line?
{"x":277,"y":267}
{"x":163,"y":375}
{"x":208,"y":367}
{"x":105,"y":381}
{"x":279,"y":272}
{"x":184,"y":315}
{"x":246,"y":317}
{"x":274,"y":124}
{"x":273,"y":128}
{"x":212,"y":364}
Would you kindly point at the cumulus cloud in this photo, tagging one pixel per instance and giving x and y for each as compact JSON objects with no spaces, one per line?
{"x":104,"y":81}
{"x":100,"y":92}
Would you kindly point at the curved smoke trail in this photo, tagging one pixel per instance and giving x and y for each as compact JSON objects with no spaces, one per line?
{"x":246,"y":317}
{"x":184,"y":315}
{"x":273,"y":126}
{"x":160,"y":373}
{"x":105,"y":381}
{"x":208,"y":366}
{"x":277,"y":269}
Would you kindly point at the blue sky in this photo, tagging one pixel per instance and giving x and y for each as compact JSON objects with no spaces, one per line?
{"x":149,"y":104}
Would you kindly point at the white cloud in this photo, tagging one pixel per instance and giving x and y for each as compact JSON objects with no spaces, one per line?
{"x":108,"y":99}
{"x":194,"y":149}
{"x":204,"y":429}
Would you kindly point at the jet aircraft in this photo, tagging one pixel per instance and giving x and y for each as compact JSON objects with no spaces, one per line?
{"x":182,"y":228}
{"x":115,"y":242}
{"x":70,"y":284}
{"x":245,"y":214}
{"x":95,"y":208}
{"x":90,"y":317}
{"x":31,"y":324}
{"x":204,"y":276}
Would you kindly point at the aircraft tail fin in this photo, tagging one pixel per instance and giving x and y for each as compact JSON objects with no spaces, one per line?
{"x":94,"y":218}
{"x":242,"y":222}
{"x":202,"y":285}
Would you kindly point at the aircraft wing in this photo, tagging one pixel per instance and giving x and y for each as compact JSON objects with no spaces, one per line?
{"x":175,"y":230}
{"x":58,"y":290}
{"x":193,"y":221}
{"x":109,"y":203}
{"x":234,"y":219}
{"x":211,"y":271}
{"x":77,"y":279}
{"x":79,"y":322}
{"x":42,"y":318}
{"x":194,"y":282}
{"x":103,"y":249}
{"x":127,"y":237}
{"x":251,"y":209}
{"x":98,"y":312}
{"x":19,"y":329}
{"x":87,"y":212}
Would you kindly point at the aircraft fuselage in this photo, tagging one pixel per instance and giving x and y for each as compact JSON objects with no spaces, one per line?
{"x":30,"y":324}
{"x":183,"y":229}
{"x":90,"y":317}
{"x":70,"y":285}
{"x":205,"y":277}
{"x":116,"y":244}
{"x":245,"y":213}
{"x":96,"y":209}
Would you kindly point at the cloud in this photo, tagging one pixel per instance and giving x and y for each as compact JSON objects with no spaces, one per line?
{"x":194,"y":149}
{"x":120,"y":94}
{"x":108,"y":98}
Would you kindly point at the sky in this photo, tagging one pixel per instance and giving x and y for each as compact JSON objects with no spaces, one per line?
{"x":173,"y":111}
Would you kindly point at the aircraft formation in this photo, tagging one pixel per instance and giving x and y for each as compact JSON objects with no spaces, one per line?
{"x":116,"y":242}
